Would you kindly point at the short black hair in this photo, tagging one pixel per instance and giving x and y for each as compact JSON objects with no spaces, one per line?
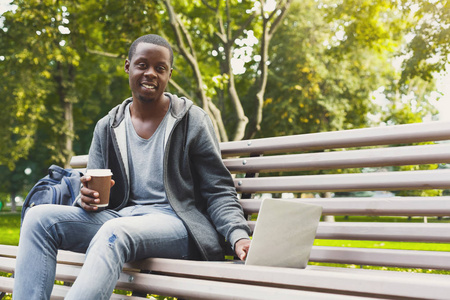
{"x":151,"y":39}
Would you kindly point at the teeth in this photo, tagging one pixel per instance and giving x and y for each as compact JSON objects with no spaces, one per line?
{"x":148,"y":86}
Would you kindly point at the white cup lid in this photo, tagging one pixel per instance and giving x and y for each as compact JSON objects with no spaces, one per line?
{"x":99,"y":172}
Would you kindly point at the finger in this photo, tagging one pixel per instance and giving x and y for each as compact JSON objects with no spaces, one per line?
{"x":85,"y":179}
{"x":112,"y":182}
{"x":89,"y":193}
{"x":88,"y":199}
{"x":242,"y":253}
{"x":88,"y":207}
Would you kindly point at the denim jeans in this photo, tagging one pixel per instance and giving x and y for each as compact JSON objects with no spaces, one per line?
{"x":109,"y":238}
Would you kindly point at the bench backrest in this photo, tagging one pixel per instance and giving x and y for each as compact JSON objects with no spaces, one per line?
{"x":383,"y":159}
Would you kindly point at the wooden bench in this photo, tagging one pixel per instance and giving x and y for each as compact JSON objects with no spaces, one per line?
{"x":317,"y":164}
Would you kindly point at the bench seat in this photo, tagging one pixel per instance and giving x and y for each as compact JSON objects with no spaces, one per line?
{"x":406,"y":164}
{"x":278,"y":282}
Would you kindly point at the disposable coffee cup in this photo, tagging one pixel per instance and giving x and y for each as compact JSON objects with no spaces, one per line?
{"x":100,"y":182}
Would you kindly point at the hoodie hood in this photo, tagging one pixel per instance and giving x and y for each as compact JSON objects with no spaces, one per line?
{"x":180,"y":106}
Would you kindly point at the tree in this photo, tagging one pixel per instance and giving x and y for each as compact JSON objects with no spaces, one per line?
{"x":40,"y":54}
{"x":428,"y":50}
{"x":38,"y":46}
{"x":331,"y":59}
{"x":323,"y":72}
{"x":259,"y":68}
{"x":226,"y":24}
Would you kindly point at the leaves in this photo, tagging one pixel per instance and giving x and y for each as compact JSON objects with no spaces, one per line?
{"x":62,"y":65}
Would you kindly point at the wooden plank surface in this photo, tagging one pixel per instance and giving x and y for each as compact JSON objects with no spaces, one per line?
{"x":377,"y":181}
{"x":402,"y":285}
{"x":370,"y":206}
{"x":221,"y":290}
{"x":438,"y":260}
{"x":392,"y":156}
{"x":381,"y":231}
{"x":288,"y":276}
{"x":397,"y":134}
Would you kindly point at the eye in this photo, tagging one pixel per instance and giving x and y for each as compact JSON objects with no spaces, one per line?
{"x":142,"y":65}
{"x":161,"y":68}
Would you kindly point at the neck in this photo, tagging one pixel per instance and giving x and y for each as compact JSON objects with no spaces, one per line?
{"x":150,"y":110}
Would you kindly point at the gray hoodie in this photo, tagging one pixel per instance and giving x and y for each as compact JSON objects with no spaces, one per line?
{"x":199,"y":187}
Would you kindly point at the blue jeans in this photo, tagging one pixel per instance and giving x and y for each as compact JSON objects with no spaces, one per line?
{"x":109,"y":238}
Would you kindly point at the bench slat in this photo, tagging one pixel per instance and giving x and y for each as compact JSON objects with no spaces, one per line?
{"x":7,"y":264}
{"x":392,"y":156}
{"x":79,"y":161}
{"x":6,"y":284}
{"x":208,"y":289}
{"x":438,"y":260}
{"x":401,"y":232}
{"x":377,"y":231}
{"x":370,"y":206}
{"x":377,"y":181}
{"x":8,"y":250}
{"x":402,"y":285}
{"x":194,"y":289}
{"x":399,"y":134}
{"x":64,"y":272}
{"x":59,"y":291}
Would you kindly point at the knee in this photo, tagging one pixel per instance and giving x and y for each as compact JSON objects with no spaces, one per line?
{"x":36,"y":217}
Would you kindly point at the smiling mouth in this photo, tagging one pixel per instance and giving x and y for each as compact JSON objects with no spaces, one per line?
{"x":149,"y":86}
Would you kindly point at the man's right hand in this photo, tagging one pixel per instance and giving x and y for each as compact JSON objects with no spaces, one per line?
{"x":88,"y":196}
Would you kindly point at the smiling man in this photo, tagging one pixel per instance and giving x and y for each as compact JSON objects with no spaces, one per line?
{"x":171,"y":195}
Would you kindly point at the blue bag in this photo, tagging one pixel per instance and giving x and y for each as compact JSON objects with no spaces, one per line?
{"x":60,"y":186}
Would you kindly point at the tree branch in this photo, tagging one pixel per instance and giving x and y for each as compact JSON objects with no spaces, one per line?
{"x":180,"y":90}
{"x":103,"y":53}
{"x":191,"y":58}
{"x":209,"y":6}
{"x":243,"y":26}
{"x":280,"y":17}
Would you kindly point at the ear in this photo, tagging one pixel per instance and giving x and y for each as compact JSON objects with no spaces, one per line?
{"x":127,"y":66}
{"x":170,"y":75}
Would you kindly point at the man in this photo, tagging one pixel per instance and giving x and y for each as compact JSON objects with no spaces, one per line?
{"x":171,"y":195}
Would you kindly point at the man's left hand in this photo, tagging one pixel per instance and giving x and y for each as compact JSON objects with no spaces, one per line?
{"x":241,"y":248}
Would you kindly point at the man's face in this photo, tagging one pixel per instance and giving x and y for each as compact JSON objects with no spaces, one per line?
{"x":149,"y":72}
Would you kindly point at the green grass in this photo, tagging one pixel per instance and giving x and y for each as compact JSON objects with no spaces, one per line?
{"x":390,"y":219}
{"x":9,"y":228}
{"x":384,"y":245}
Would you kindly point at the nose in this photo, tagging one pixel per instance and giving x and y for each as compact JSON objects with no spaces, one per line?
{"x":151,"y":72}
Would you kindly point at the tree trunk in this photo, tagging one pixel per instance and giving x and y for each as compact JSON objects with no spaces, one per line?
{"x":188,"y":52}
{"x":269,"y":26}
{"x":68,"y":119}
{"x":67,"y":107}
{"x":13,"y":202}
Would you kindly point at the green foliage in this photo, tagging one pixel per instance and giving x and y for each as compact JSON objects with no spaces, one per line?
{"x":323,"y":72}
{"x":429,"y":49}
{"x":62,"y":66}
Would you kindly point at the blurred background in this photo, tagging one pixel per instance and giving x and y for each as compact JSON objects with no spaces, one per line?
{"x":259,"y":68}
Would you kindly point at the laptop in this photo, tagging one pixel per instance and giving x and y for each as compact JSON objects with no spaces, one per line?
{"x":284,"y":234}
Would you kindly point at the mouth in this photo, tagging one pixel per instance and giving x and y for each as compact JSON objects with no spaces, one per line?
{"x":149,"y":86}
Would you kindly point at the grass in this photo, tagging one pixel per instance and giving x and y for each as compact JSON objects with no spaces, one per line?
{"x":9,"y":228}
{"x":384,"y":245}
